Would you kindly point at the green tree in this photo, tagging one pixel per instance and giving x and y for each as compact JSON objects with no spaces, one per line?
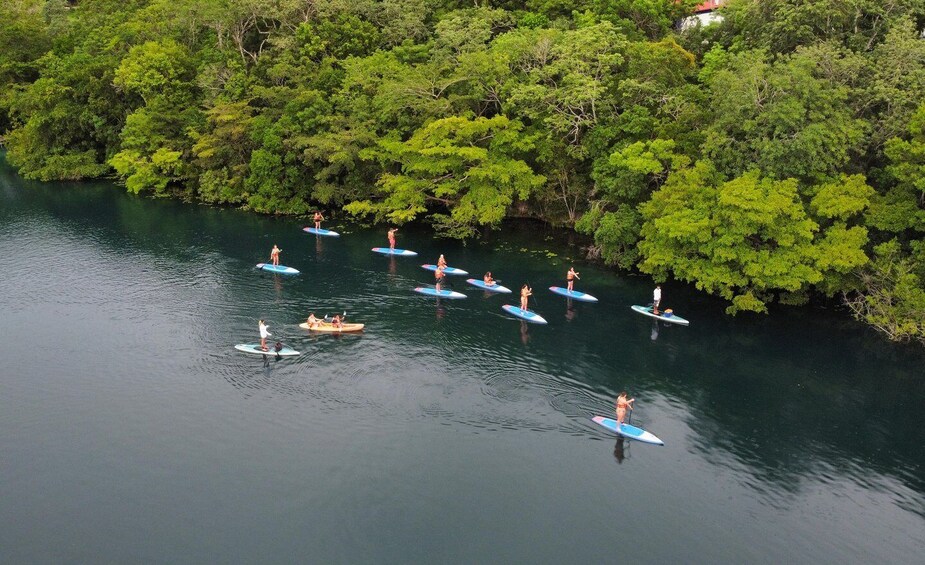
{"x":777,"y":116}
{"x":470,"y":167}
{"x":750,"y":238}
{"x":893,"y":296}
{"x":154,"y":138}
{"x":223,"y":151}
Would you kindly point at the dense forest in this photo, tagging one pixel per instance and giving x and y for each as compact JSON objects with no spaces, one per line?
{"x":775,"y":156}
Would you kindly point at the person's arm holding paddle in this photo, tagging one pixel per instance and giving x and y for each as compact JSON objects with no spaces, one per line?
{"x":621,"y":406}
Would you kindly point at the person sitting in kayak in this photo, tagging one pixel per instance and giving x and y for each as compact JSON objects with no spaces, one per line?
{"x":489,"y":281}
{"x":656,"y":299}
{"x":264,"y":334}
{"x":441,"y":262}
{"x":392,"y":232}
{"x":525,"y":293}
{"x":570,"y":278}
{"x":318,"y":218}
{"x":438,"y":277}
{"x":336,"y":322}
{"x":622,"y":405}
{"x":274,"y":255}
{"x":312,"y":320}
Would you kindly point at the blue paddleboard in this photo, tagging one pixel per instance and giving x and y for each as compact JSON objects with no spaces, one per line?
{"x":573,"y":294}
{"x":524,"y":314}
{"x":320,"y":231}
{"x":669,"y":317}
{"x":446,"y":270}
{"x":629,"y":431}
{"x":444,"y":293}
{"x":399,"y":252}
{"x":254,"y":348}
{"x":281,"y":269}
{"x":491,"y":288}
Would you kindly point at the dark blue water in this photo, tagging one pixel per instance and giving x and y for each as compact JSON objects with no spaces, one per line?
{"x":132,"y":431}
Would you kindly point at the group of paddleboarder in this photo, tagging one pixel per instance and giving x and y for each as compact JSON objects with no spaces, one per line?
{"x":622,"y":403}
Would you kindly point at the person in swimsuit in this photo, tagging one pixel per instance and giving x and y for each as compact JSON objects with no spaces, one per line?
{"x":656,"y":299}
{"x":525,"y":293}
{"x":392,"y":232}
{"x":622,"y":405}
{"x":264,"y":334}
{"x":318,"y":219}
{"x":489,"y":281}
{"x":312,"y":320}
{"x":438,"y":277}
{"x":336,"y":322}
{"x":570,"y":278}
{"x":274,"y":255}
{"x":441,"y":262}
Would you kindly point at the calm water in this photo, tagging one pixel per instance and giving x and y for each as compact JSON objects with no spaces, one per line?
{"x":131,"y":431}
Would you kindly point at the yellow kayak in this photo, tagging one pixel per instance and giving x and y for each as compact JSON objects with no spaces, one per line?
{"x":326,"y":327}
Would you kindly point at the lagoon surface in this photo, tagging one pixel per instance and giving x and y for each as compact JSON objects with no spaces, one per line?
{"x":132,"y":431}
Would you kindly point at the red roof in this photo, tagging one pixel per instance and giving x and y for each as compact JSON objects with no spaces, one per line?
{"x":708,"y":6}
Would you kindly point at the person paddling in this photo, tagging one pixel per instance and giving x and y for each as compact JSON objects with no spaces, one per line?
{"x":438,"y":277}
{"x":274,"y":255}
{"x":392,"y":233}
{"x":525,"y":293}
{"x":318,"y":219}
{"x":656,"y":299}
{"x":621,"y":406}
{"x":570,"y":278}
{"x":489,"y":281}
{"x":312,"y":320}
{"x":264,"y":334}
{"x":336,"y":322}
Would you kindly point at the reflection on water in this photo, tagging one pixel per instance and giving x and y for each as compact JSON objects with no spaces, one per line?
{"x":619,"y":450}
{"x":799,"y":423}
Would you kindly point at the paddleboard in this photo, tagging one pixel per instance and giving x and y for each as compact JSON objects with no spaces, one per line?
{"x":321,"y":231}
{"x":326,"y":327}
{"x":399,"y":252}
{"x":491,"y":288}
{"x":573,"y":294}
{"x":524,"y":314}
{"x":254,"y":348}
{"x":444,"y":293}
{"x":647,"y":311}
{"x":446,"y":270}
{"x":281,"y":269}
{"x":629,"y":431}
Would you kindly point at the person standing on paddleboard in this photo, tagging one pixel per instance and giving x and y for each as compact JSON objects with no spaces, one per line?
{"x":274,"y":255}
{"x":525,"y":293}
{"x":622,"y":405}
{"x":264,"y":334}
{"x":570,"y":278}
{"x":656,"y":299}
{"x":318,"y":218}
{"x":438,"y":276}
{"x":441,"y":262}
{"x":392,"y":232}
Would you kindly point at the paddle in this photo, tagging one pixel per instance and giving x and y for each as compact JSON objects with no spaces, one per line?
{"x":535,"y":301}
{"x":328,"y":319}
